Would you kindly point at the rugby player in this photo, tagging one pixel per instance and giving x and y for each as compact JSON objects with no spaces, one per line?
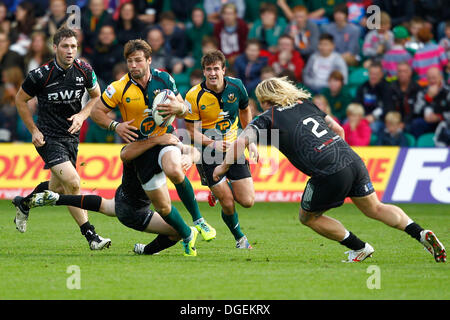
{"x":314,"y":143}
{"x":59,"y":86}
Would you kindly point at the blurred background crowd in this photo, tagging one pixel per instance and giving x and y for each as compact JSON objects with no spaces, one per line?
{"x":386,"y":85}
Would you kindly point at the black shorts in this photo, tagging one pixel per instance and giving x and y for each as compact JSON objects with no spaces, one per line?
{"x":55,"y":152}
{"x":146,"y":165}
{"x":322,"y":193}
{"x":131,"y":217}
{"x":236,"y":172}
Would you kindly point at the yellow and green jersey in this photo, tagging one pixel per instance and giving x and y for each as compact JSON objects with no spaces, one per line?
{"x":135,"y":102}
{"x":218,"y":112}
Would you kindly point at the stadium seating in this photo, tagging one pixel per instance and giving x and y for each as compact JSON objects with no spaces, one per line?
{"x":426,"y":141}
{"x":411,"y":139}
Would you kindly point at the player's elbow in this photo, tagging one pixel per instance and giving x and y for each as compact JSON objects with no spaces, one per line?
{"x":125,"y":156}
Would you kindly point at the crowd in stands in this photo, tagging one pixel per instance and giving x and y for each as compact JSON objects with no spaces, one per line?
{"x":383,"y":74}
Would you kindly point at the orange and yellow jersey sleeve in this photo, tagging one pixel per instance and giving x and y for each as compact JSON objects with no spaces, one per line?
{"x":132,"y":101}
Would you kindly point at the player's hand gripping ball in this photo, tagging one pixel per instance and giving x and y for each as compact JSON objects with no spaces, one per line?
{"x":162,"y":97}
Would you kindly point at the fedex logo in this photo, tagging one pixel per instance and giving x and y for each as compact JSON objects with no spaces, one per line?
{"x":423,"y":177}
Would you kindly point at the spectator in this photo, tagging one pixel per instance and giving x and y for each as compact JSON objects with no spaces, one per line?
{"x":337,"y":95}
{"x":442,"y":134}
{"x":148,"y":11}
{"x":12,"y":79}
{"x":375,"y":95}
{"x":379,"y":41}
{"x":268,"y":28}
{"x":214,"y":8}
{"x":5,"y":24}
{"x":160,"y":58}
{"x":174,"y":37}
{"x":283,"y":6}
{"x":231,"y":32}
{"x":196,"y":31}
{"x":287,"y":57}
{"x":8,"y":58}
{"x":357,"y":129}
{"x":346,"y":35}
{"x":304,"y":32}
{"x":39,"y":52}
{"x":208,"y":44}
{"x":445,"y":41}
{"x":22,"y":28}
{"x":248,"y":65}
{"x":393,"y":134}
{"x":400,"y":11}
{"x":397,"y":53}
{"x":107,"y":53}
{"x":430,"y":55}
{"x":267,"y":72}
{"x":92,"y":20}
{"x":56,"y":18}
{"x":320,"y":9}
{"x":128,"y":25}
{"x":196,"y":77}
{"x":404,"y":93}
{"x":433,"y":102}
{"x":414,"y":44}
{"x":322,"y":63}
{"x":181,"y":9}
{"x":322,"y":103}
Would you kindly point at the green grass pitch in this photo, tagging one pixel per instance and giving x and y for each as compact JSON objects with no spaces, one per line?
{"x":289,"y":261}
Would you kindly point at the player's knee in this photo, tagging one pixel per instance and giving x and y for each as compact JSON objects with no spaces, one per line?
{"x":305,"y":217}
{"x":72,"y":186}
{"x":163,"y":209}
{"x":247,"y":202}
{"x":174,"y":173}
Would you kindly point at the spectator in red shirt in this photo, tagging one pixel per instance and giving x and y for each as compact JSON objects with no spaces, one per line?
{"x":357,"y":129}
{"x":231,"y":32}
{"x":287,"y":58}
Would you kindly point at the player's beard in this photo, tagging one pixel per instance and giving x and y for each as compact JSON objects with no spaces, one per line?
{"x":64,"y":61}
{"x":138,"y":75}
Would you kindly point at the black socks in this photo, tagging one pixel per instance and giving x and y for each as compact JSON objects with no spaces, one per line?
{"x":353,"y":242}
{"x":88,"y":230}
{"x":414,"y":230}
{"x":88,"y":202}
{"x":160,"y":243}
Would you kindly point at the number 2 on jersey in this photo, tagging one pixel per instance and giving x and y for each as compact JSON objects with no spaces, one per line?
{"x":315,"y":127}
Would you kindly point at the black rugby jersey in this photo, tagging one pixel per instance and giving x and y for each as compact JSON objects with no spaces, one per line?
{"x":131,"y":188}
{"x":305,"y":139}
{"x":59,"y":93}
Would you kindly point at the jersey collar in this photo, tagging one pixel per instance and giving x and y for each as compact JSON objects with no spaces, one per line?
{"x":59,"y":68}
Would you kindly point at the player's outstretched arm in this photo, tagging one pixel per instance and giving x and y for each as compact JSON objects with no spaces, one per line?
{"x":247,"y":137}
{"x":135,"y":149}
{"x":22,"y":108}
{"x":333,"y":125}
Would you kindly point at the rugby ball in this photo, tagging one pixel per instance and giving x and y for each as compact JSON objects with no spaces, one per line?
{"x":162,"y":97}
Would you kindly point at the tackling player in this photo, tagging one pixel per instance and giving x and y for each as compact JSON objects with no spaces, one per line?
{"x":134,"y":94}
{"x":59,"y":86}
{"x":314,"y":143}
{"x":130,"y":204}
